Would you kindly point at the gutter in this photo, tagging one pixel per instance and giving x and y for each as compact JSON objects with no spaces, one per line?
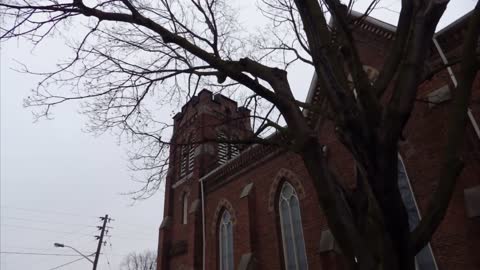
{"x":455,"y":83}
{"x":203,"y":225}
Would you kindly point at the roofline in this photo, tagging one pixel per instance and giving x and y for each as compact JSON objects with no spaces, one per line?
{"x":453,"y":24}
{"x":249,"y":148}
{"x":375,"y":21}
{"x":206,"y":176}
{"x":311,"y":92}
{"x":313,"y":83}
{"x":386,"y":26}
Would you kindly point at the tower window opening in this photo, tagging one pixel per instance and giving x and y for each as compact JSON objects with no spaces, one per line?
{"x":187,"y":155}
{"x":226,"y":150}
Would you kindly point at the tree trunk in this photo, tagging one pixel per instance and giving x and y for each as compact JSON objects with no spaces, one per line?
{"x":377,"y":237}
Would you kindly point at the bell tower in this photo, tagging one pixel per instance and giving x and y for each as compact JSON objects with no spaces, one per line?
{"x":199,"y":144}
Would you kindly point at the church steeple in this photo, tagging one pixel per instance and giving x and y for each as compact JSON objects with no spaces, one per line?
{"x":194,"y":152}
{"x":203,"y":121}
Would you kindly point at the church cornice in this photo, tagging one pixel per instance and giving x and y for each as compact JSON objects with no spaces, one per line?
{"x":250,"y":157}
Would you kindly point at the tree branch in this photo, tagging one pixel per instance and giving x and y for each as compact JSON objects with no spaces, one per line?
{"x":452,"y":164}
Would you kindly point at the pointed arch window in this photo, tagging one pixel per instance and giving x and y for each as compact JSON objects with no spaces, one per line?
{"x":226,"y":151}
{"x":187,"y":155}
{"x":184,"y":208}
{"x":291,"y":229}
{"x":424,"y":260}
{"x":225,"y":236}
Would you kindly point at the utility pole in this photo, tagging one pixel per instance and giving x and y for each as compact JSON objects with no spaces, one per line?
{"x":100,"y":240}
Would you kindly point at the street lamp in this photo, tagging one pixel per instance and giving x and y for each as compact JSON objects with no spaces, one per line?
{"x":74,"y":249}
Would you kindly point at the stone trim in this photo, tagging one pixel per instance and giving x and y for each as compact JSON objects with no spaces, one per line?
{"x":246,"y":158}
{"x":328,"y":242}
{"x":472,"y":201}
{"x":284,"y":175}
{"x":246,"y":190}
{"x":185,"y":190}
{"x":222,"y":204}
{"x":166,"y":223}
{"x":195,"y":206}
{"x":246,"y":262}
{"x":182,"y":181}
{"x":439,"y":95}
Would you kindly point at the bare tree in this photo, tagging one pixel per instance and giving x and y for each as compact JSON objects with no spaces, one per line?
{"x":146,"y":260}
{"x":135,"y":56}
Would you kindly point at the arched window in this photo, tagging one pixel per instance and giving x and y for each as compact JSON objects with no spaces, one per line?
{"x":424,"y":259}
{"x":226,"y":151}
{"x":225,"y":236}
{"x":291,"y":228}
{"x":184,"y":208}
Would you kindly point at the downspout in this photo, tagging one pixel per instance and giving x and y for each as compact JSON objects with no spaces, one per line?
{"x":455,"y":83}
{"x":203,"y":224}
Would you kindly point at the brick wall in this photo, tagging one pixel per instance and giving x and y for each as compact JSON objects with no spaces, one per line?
{"x":256,"y":220}
{"x":267,"y":245}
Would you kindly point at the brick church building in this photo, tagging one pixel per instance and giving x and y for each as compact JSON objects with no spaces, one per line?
{"x":254,"y":207}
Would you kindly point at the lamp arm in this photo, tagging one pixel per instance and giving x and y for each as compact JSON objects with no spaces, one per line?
{"x":80,"y":253}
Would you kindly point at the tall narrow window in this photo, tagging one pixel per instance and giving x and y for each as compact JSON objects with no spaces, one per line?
{"x":424,"y":259}
{"x":184,"y":208}
{"x":187,"y":155}
{"x":226,"y":151}
{"x":225,"y":237}
{"x":184,"y":160}
{"x":291,"y":228}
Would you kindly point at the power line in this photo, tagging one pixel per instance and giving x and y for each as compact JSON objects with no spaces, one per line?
{"x":39,"y":254}
{"x":56,"y":267}
{"x":77,"y":234}
{"x":129,"y":224}
{"x":106,"y":256}
{"x":136,"y":232}
{"x":122,"y":236}
{"x":47,"y":222}
{"x":47,"y":211}
{"x":31,"y":248}
{"x":41,"y":229}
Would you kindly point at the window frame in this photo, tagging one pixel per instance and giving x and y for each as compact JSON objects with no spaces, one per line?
{"x":228,"y":234}
{"x":282,"y":232}
{"x":184,"y":219}
{"x":425,"y":259}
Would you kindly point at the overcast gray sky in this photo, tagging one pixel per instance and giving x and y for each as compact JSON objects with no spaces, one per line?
{"x":56,"y":180}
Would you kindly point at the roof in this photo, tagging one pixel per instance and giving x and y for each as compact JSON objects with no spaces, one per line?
{"x":253,"y":151}
{"x":455,"y":23}
{"x":391,"y":28}
{"x":374,"y":21}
